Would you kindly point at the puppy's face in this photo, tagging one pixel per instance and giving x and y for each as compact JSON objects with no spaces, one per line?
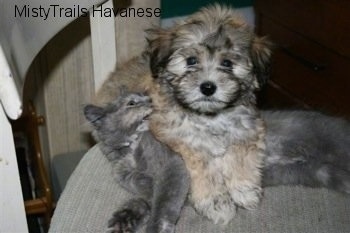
{"x":208,"y":62}
{"x":209,"y":73}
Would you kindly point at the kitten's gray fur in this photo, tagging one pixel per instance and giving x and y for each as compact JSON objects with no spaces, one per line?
{"x":307,"y":148}
{"x":303,"y":148}
{"x":141,"y":165}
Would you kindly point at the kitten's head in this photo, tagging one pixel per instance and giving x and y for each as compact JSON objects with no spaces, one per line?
{"x":124,"y":114}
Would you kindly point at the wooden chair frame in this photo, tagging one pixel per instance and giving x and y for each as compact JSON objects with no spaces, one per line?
{"x":29,"y":123}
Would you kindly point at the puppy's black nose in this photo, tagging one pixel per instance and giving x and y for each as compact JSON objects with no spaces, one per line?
{"x":208,"y":88}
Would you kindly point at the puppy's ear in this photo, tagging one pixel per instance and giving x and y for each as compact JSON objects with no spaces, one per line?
{"x":123,"y":90}
{"x":94,"y":114}
{"x":159,"y":41}
{"x":261,"y":57}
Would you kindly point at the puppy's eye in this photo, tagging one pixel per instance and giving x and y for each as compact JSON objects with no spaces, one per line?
{"x":227,"y":63}
{"x":131,"y":103}
{"x":191,"y":61}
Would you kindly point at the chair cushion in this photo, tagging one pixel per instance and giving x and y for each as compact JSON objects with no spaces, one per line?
{"x":91,"y":196}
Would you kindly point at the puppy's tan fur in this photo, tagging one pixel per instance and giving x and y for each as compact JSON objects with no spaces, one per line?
{"x":218,"y":183}
{"x":219,"y":135}
{"x":134,"y":75}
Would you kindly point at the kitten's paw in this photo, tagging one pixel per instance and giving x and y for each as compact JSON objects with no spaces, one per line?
{"x":142,"y":127}
{"x":133,"y":137}
{"x":124,"y":221}
{"x":161,"y":226}
{"x":334,"y":177}
{"x":130,"y":218}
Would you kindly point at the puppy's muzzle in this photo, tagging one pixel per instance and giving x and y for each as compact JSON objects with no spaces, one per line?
{"x":208,"y":88}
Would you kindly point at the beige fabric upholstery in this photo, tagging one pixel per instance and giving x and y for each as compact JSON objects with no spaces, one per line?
{"x":91,"y":196}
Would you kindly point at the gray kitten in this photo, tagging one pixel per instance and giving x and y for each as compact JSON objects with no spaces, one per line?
{"x":307,"y":148}
{"x":141,"y":164}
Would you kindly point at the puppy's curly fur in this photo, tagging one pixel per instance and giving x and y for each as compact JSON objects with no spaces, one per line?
{"x":202,"y":77}
{"x":206,"y":70}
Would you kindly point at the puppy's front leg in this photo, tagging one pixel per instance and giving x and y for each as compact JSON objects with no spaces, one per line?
{"x":243,"y":176}
{"x":208,"y":193}
{"x":216,"y":206}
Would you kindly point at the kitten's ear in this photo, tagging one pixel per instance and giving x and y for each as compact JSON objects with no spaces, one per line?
{"x":261,"y":57}
{"x":94,"y":114}
{"x":159,"y":41}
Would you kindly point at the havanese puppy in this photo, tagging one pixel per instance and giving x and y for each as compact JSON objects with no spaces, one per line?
{"x":206,"y":70}
{"x":204,"y":74}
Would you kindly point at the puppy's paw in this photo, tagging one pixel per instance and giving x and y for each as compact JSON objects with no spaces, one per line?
{"x":248,"y":198}
{"x":220,"y":208}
